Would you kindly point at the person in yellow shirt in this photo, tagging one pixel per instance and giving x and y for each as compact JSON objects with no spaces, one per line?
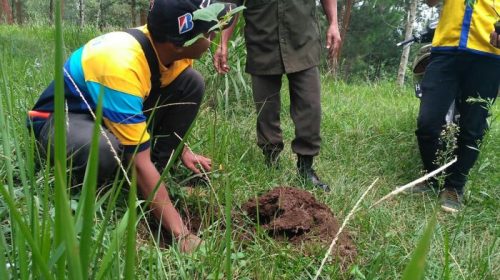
{"x":142,"y":72}
{"x":465,"y":64}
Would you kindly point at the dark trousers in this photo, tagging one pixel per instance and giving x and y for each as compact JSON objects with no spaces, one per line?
{"x":176,"y":108}
{"x":448,"y":78}
{"x":305,"y":110}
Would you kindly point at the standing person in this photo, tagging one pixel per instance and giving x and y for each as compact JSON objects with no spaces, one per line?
{"x":465,"y":63}
{"x":282,"y":38}
{"x":140,"y":72}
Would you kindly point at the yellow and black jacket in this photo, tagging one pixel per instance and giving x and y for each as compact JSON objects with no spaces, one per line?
{"x":466,"y":28}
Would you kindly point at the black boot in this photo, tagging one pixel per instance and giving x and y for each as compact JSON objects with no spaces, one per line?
{"x":304,"y":165}
{"x":271,"y":158}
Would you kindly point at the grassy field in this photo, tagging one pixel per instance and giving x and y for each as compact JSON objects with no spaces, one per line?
{"x":368,"y":133}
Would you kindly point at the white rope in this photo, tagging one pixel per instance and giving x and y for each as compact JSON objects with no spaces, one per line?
{"x":412,"y":184}
{"x":341,"y":229}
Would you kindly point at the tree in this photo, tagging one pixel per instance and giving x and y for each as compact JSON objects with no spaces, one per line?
{"x":51,"y":11}
{"x":133,"y":13}
{"x":81,"y":13}
{"x":345,"y":20}
{"x":6,"y":12}
{"x":412,"y":13}
{"x":369,"y":50}
{"x":19,"y":14}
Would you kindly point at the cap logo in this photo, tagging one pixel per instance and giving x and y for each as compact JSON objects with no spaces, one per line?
{"x":204,"y":4}
{"x":185,"y":23}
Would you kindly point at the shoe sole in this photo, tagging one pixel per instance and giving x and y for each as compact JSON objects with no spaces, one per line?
{"x":420,"y":191}
{"x":449,"y":209}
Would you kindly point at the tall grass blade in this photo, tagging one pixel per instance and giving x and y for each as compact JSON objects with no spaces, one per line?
{"x":117,"y":235}
{"x":6,"y":144}
{"x":98,"y":251}
{"x":446,"y":269}
{"x":131,"y":231}
{"x":64,"y":224}
{"x":415,"y":269}
{"x":59,"y":143}
{"x":22,"y":255}
{"x":3,"y":261}
{"x":89,"y":193}
{"x":20,"y":244}
{"x":17,"y":218}
{"x":47,"y":220}
{"x":228,"y":239}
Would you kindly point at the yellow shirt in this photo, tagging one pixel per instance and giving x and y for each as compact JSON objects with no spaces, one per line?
{"x":466,"y":28}
{"x":116,"y":63}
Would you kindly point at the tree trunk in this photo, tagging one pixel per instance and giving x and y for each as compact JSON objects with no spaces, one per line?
{"x":412,"y":13}
{"x":51,"y":11}
{"x":6,"y":13}
{"x":133,"y":12}
{"x":346,"y":19}
{"x":62,"y":9}
{"x":143,"y":17}
{"x":81,"y":12}
{"x":19,"y":12}
{"x":100,"y":22}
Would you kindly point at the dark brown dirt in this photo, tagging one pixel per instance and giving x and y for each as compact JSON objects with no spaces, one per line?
{"x":294,"y":215}
{"x":285,"y":213}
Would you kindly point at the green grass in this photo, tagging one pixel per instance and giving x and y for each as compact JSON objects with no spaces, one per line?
{"x":367,"y":131}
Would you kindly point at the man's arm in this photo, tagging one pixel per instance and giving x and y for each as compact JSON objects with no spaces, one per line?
{"x":220,"y":56}
{"x":495,"y":39}
{"x":163,"y":209}
{"x":332,"y":35}
{"x":432,"y":3}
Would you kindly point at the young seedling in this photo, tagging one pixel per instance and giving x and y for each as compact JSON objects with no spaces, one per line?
{"x":211,"y":14}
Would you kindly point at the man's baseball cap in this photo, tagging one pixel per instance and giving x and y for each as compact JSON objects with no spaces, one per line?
{"x":173,"y":21}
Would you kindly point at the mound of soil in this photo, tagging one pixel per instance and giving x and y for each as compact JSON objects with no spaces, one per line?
{"x":294,"y":215}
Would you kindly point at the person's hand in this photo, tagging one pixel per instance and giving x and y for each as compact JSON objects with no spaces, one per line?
{"x":220,"y":60}
{"x":192,"y":160}
{"x":333,"y":41}
{"x":495,"y":39}
{"x":189,"y":243}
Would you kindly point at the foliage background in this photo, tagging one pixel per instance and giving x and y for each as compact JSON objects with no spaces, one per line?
{"x":368,"y":53}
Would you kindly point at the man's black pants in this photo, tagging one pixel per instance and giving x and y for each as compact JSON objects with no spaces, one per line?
{"x":457,"y":77}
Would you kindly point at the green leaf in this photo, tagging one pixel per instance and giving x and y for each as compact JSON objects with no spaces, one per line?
{"x":470,"y":3}
{"x":210,"y":13}
{"x":64,"y":223}
{"x":3,"y":260}
{"x":227,"y":17}
{"x":416,"y":267}
{"x":89,"y":191}
{"x":131,"y":228}
{"x":192,"y":41}
{"x":17,"y":217}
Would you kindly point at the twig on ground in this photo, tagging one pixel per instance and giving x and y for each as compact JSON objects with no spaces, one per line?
{"x":342,"y":228}
{"x":412,"y":184}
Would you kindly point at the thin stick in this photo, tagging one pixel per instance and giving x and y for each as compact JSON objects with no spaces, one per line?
{"x":412,"y":184}
{"x":342,"y":228}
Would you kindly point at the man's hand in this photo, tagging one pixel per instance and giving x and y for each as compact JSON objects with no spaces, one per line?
{"x":191,"y":160}
{"x":333,"y":41}
{"x":189,"y":242}
{"x":220,"y":60}
{"x":495,"y":39}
